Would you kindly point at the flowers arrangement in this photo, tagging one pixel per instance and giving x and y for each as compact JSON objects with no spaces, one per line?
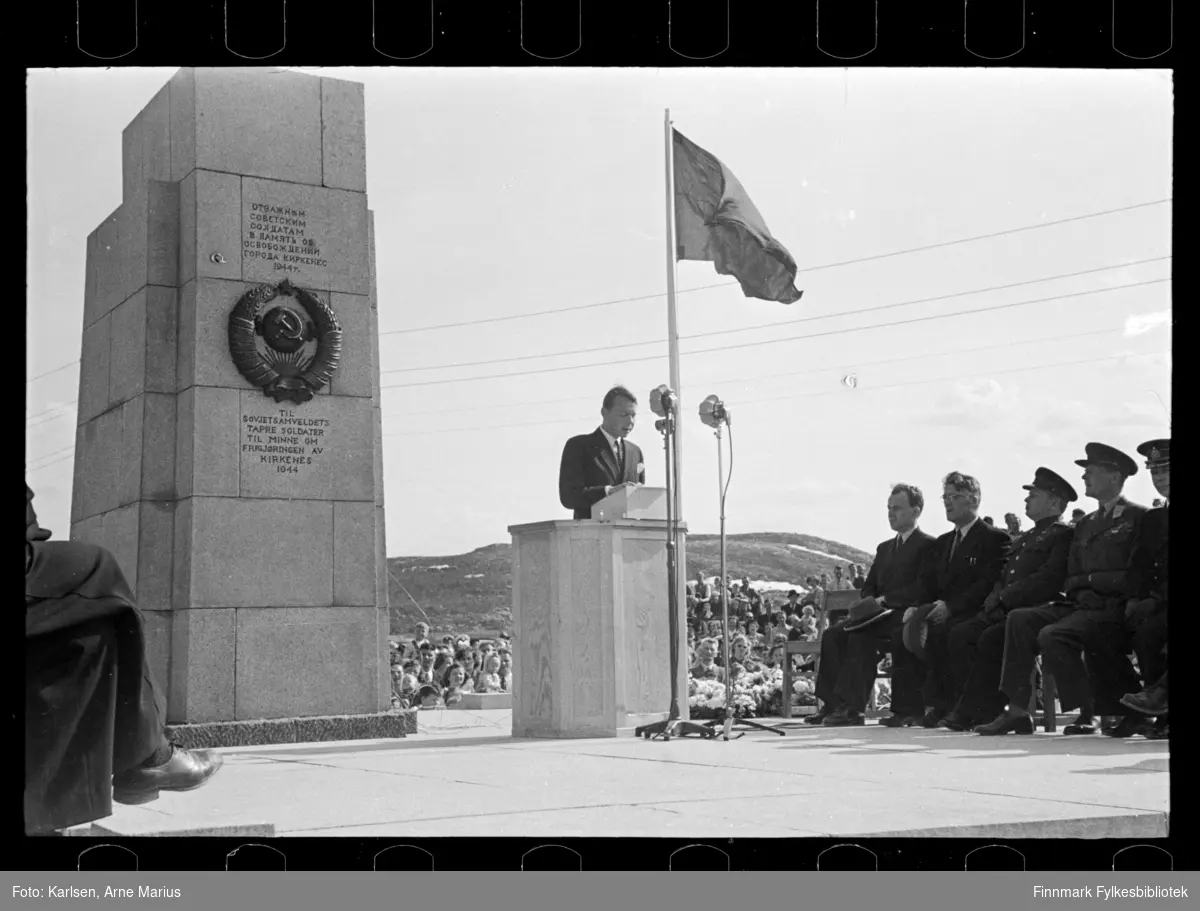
{"x":754,"y":694}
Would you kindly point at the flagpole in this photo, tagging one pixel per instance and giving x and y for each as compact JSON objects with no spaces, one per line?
{"x":672,"y":324}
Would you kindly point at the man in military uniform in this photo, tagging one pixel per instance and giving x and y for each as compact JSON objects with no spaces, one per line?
{"x":1096,"y":579}
{"x":1034,"y":574}
{"x":1146,"y":589}
{"x":1095,"y":572}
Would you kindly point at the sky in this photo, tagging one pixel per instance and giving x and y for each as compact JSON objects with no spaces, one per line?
{"x":499,"y":193}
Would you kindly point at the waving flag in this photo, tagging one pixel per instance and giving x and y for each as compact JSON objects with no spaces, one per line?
{"x":716,"y":222}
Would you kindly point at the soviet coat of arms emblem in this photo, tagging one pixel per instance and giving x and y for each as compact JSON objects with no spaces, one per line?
{"x":289,"y":352}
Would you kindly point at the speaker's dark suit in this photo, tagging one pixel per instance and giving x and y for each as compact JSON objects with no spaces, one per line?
{"x":589,"y":465}
{"x":848,"y":660}
{"x":963,"y":583}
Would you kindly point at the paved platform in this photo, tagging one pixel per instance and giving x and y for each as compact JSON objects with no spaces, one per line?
{"x":464,"y":774}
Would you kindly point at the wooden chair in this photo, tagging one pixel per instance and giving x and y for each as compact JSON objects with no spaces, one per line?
{"x":835,"y":603}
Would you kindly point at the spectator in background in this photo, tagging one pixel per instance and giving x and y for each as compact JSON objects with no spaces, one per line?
{"x":1012,"y":523}
{"x":455,"y":684}
{"x":1157,"y":502}
{"x":466,"y":660}
{"x":425,"y":670}
{"x":706,"y":667}
{"x":420,"y":638}
{"x":1077,"y":516}
{"x":704,"y":591}
{"x":795,"y":632}
{"x":793,"y":602}
{"x":505,"y":671}
{"x":778,"y":625}
{"x":860,"y":576}
{"x":489,"y":680}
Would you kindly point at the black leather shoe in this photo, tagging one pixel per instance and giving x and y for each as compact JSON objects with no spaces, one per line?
{"x":931,"y":720}
{"x":844,"y":719}
{"x":1160,"y":731}
{"x":955,"y":722}
{"x":1148,"y":702}
{"x":1128,"y":726}
{"x":818,"y":718}
{"x":899,"y":721}
{"x":184,"y":771}
{"x":1006,"y":724}
{"x":1083,"y":725}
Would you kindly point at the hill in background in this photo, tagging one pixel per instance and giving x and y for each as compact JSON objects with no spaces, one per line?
{"x":472,"y":593}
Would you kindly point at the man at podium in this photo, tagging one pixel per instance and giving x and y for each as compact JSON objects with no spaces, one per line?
{"x":598,"y":463}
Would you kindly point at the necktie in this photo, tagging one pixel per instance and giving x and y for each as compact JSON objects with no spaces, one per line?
{"x":896,"y":545}
{"x":954,"y":546}
{"x":621,"y":457}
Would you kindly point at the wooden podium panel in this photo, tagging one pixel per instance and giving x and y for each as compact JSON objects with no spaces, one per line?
{"x":590,"y":627}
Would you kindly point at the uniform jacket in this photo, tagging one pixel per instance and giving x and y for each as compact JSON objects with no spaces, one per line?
{"x":588,"y":466}
{"x":965,"y":582}
{"x":1147,"y":573}
{"x":1037,"y":565}
{"x":1097,"y":568}
{"x":896,"y":573}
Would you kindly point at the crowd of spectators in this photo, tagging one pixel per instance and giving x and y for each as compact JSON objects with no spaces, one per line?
{"x":760,"y":626}
{"x":426,"y":674}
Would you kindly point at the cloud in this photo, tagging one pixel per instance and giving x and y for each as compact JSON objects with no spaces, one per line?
{"x":1141,"y":323}
{"x":972,"y":404}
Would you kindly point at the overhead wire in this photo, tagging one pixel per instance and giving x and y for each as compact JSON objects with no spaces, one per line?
{"x":857,"y":365}
{"x":778,"y":340}
{"x":818,"y":268}
{"x":748,"y":402}
{"x":777,"y":325}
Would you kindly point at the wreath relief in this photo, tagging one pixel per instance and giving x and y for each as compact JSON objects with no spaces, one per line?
{"x":290,"y":353}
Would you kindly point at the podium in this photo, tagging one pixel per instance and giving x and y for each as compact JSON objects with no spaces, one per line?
{"x":590,"y":626}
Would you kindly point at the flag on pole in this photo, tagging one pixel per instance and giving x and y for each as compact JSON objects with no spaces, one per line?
{"x":716,"y":222}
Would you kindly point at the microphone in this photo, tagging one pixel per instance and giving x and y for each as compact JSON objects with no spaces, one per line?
{"x":713,"y":412}
{"x":662,"y":400}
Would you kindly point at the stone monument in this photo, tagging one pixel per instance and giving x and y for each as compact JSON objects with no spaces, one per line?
{"x":229,"y":448}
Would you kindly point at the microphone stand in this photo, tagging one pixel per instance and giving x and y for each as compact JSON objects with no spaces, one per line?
{"x":729,"y":719}
{"x":672,"y":725}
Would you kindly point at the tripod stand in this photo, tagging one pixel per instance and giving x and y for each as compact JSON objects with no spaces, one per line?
{"x":716,"y":416}
{"x":672,"y":725}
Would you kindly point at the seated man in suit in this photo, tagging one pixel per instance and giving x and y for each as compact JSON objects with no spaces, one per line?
{"x":961,"y":572}
{"x":93,"y":715}
{"x":595,"y":464}
{"x":850,"y":649}
{"x":1034,"y":574}
{"x":1146,"y":589}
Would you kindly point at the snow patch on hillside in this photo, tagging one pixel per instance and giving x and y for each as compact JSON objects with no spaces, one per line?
{"x":819,"y":553}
